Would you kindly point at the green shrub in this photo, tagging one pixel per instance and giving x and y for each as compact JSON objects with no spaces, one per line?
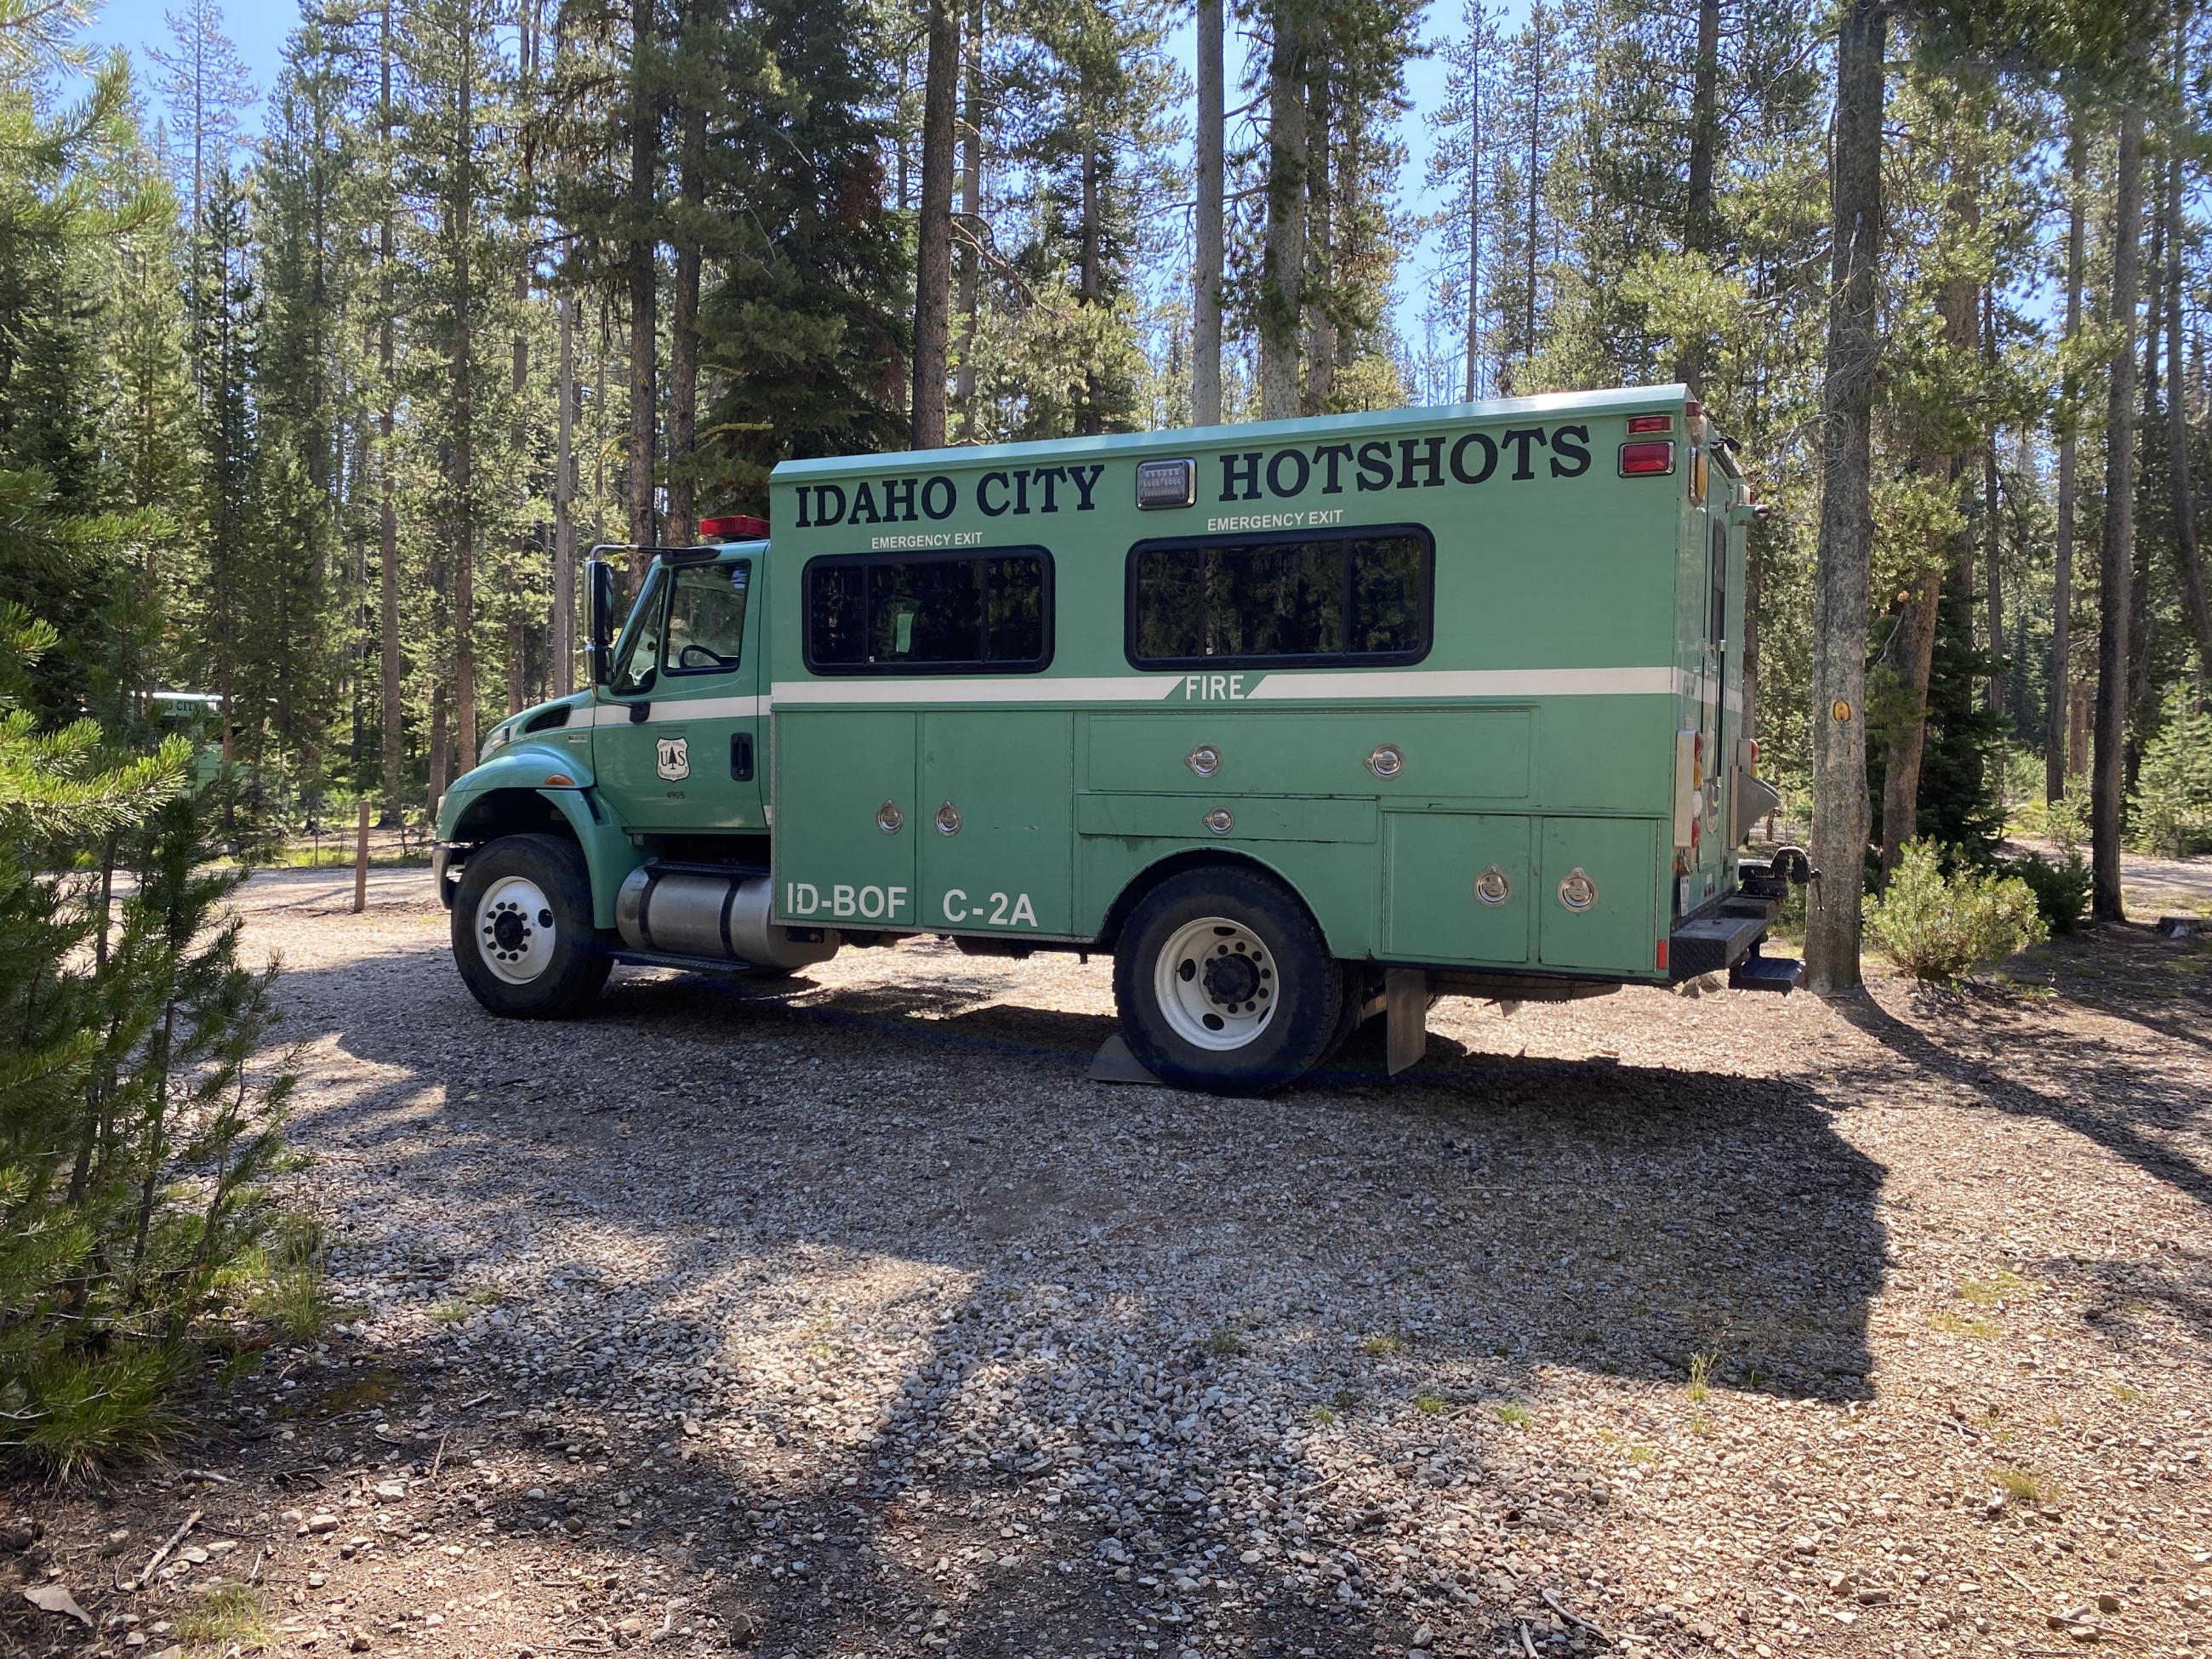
{"x":139,"y":1131}
{"x":2061,"y":887}
{"x":1940,"y":929}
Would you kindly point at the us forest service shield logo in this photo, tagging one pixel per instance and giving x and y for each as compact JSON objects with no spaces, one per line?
{"x":675,"y":759}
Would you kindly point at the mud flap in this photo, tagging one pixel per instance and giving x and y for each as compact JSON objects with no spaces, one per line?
{"x":1405,"y":1017}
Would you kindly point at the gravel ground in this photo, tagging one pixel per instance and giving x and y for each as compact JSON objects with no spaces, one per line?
{"x":846,"y":1317}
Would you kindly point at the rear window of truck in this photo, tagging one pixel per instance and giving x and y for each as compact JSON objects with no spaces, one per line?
{"x":1311,"y":600}
{"x":987,"y":612}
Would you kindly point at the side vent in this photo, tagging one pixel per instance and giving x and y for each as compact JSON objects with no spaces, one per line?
{"x":553,"y":717}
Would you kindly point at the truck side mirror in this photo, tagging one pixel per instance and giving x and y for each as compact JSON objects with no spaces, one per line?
{"x":600,"y":649}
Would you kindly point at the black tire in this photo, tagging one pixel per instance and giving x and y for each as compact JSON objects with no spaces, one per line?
{"x":1362,"y":983}
{"x":1288,"y":992}
{"x":503,"y":952}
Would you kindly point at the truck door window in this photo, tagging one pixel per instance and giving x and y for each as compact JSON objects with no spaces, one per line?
{"x":930,"y":612}
{"x":707,"y":619}
{"x":1311,"y":600}
{"x":637,"y":658}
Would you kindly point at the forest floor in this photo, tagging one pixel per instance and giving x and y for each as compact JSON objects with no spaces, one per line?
{"x":846,"y":1316}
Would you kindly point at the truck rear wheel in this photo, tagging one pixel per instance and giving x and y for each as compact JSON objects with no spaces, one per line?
{"x":522,"y":929}
{"x":1224,"y":983}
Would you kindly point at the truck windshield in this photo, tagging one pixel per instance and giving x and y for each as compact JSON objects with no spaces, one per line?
{"x":637,"y":658}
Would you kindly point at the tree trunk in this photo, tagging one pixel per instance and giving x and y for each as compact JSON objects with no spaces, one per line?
{"x":683,"y":331}
{"x":2185,"y":553}
{"x":387,"y":565}
{"x":1704,"y":141}
{"x":1535,"y":174}
{"x":971,"y":211}
{"x":2058,"y":728}
{"x":441,"y":759}
{"x":1283,"y":255}
{"x":1320,"y":324}
{"x":1089,"y":420}
{"x":464,"y":457}
{"x":1206,"y":299}
{"x":518,"y":383}
{"x":1919,"y":612}
{"x":1474,"y":212}
{"x":932,"y":276}
{"x":1992,"y":519}
{"x":1840,"y":572}
{"x":2115,"y":572}
{"x":644,"y":280}
{"x":562,"y":649}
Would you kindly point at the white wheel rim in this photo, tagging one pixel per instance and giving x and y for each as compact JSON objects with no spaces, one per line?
{"x":1216,"y":982}
{"x":515,"y":933}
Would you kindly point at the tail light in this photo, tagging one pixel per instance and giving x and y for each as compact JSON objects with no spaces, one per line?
{"x":1650,"y":458}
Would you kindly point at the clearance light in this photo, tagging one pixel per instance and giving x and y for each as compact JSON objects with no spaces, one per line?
{"x":735,"y":527}
{"x":1641,"y":423}
{"x":1647,"y":460}
{"x":559,"y":781}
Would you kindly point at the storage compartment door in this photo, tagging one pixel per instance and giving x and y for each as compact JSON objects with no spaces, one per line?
{"x":1458,"y":888}
{"x":996,"y":828}
{"x":845,"y":819}
{"x":1596,"y":895}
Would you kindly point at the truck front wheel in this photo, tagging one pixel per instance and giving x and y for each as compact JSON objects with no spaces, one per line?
{"x":1224,"y":983}
{"x":522,"y":929}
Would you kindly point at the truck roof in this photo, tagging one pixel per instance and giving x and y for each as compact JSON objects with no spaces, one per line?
{"x":1622,"y":400}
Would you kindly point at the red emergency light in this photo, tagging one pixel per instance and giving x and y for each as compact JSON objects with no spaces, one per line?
{"x":1641,"y":423}
{"x":733,"y":527}
{"x":1647,"y":458}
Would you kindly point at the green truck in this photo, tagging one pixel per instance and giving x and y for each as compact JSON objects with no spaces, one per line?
{"x":1302,"y":722}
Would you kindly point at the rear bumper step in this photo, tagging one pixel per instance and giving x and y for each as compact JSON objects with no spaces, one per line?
{"x":1758,"y":973}
{"x":1712,"y":945}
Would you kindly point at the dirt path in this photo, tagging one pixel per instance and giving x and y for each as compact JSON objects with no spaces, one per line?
{"x":2150,"y":886}
{"x":850,"y":1319}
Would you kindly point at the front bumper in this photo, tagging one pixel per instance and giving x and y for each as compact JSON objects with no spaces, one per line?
{"x":445,"y":872}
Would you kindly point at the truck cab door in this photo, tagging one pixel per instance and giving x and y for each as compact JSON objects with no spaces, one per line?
{"x":678,"y":737}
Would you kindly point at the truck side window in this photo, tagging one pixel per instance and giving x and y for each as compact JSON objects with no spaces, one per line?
{"x":968,"y":612}
{"x":707,"y":619}
{"x":1309,"y":600}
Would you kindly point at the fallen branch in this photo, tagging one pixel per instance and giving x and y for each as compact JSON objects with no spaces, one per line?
{"x":208,"y":1475}
{"x":162,"y":1553}
{"x":1553,"y":1601}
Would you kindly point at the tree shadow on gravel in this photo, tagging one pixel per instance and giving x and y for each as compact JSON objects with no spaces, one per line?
{"x":1272,"y":1329}
{"x":2129,"y":1105}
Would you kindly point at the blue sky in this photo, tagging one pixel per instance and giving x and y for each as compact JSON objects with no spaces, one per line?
{"x":258,"y":29}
